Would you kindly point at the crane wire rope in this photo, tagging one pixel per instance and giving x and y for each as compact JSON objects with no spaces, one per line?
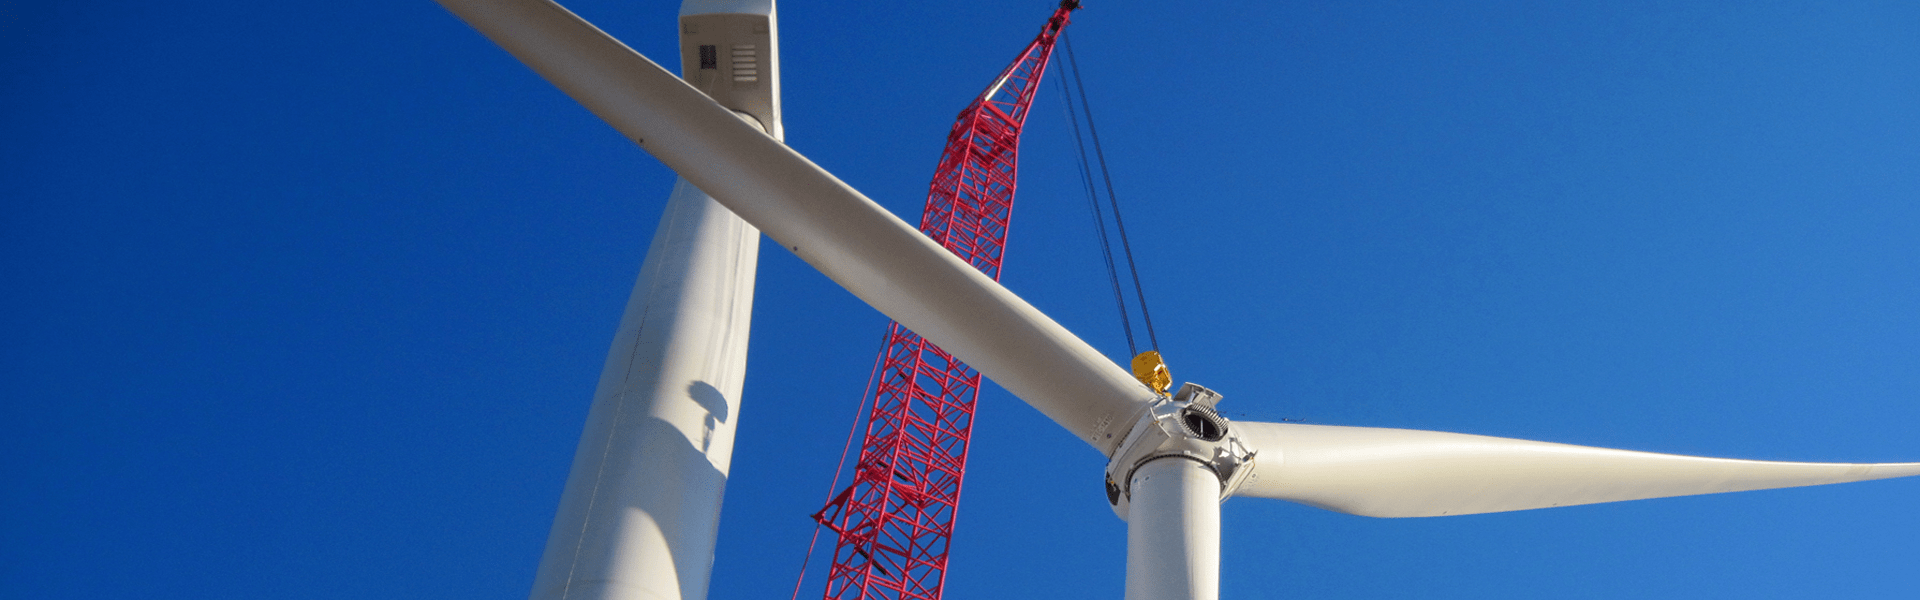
{"x":1126,"y":248}
{"x":1106,"y":249}
{"x":1099,"y":221}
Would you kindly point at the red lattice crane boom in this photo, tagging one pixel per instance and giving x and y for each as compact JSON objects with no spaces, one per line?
{"x":896,"y":519}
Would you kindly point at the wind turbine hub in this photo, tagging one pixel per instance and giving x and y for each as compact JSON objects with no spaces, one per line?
{"x":1184,"y":426}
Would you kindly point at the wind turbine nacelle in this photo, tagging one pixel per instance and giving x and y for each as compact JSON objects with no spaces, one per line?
{"x":1185,"y":426}
{"x":729,"y":49}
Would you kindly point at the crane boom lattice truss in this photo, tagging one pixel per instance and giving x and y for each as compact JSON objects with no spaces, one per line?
{"x":896,"y":519}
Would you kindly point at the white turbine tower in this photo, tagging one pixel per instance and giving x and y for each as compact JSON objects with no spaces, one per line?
{"x":641,"y":508}
{"x":1171,"y":459}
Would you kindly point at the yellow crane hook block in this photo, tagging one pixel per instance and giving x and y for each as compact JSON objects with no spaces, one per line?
{"x":1150,"y":369}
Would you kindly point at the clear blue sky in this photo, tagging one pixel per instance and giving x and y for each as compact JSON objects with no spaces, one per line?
{"x":307,"y":300}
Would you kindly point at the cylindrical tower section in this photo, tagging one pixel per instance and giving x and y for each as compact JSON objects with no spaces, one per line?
{"x":641,"y":510}
{"x":1173,"y":531}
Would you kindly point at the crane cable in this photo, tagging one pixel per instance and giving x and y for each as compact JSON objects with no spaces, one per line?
{"x":858,"y":412}
{"x":1099,"y":221}
{"x":1106,"y":246}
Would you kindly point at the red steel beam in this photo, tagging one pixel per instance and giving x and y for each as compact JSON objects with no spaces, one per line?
{"x":896,"y":520}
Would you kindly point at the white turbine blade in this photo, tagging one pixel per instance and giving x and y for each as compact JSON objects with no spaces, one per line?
{"x":859,"y":245}
{"x":1407,"y":473}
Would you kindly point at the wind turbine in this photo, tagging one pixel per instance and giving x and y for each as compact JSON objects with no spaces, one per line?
{"x":1172,"y":458}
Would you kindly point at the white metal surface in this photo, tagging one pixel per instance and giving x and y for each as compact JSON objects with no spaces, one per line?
{"x":1185,"y":425}
{"x":1407,"y":473}
{"x":1173,"y":532}
{"x":641,"y":508}
{"x":744,"y":73}
{"x":640,"y":512}
{"x":726,"y":7}
{"x":859,"y":245}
